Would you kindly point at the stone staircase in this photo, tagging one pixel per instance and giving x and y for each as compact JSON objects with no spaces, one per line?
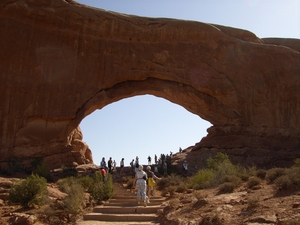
{"x":123,"y":208}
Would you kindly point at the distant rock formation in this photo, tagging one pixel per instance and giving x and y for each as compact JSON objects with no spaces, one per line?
{"x":61,"y":60}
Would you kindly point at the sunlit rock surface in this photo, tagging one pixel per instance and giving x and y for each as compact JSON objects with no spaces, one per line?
{"x":61,"y":60}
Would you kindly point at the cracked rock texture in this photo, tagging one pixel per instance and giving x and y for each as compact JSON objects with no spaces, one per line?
{"x":61,"y":60}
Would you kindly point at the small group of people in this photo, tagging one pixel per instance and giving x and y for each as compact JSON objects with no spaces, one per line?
{"x":111,"y":165}
{"x":144,"y":183}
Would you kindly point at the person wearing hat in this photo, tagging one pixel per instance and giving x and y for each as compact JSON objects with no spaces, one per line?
{"x":141,"y":185}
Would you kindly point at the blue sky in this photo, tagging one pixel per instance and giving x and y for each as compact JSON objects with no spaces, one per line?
{"x":147,"y":125}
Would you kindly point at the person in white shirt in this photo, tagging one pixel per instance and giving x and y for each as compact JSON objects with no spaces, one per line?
{"x":141,"y":185}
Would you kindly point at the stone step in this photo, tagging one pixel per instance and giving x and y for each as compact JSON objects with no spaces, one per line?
{"x":128,"y":204}
{"x":128,"y":197}
{"x":120,"y":217}
{"x":127,"y":210}
{"x":159,"y":200}
{"x":95,"y":222}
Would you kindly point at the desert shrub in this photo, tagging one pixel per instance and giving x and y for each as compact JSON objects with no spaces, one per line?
{"x":75,"y":188}
{"x":218,"y":168}
{"x":233,"y":179}
{"x":74,"y":201}
{"x":261,"y":173}
{"x":243,"y":173}
{"x":29,"y":192}
{"x":202,"y":179}
{"x":274,"y":173}
{"x":85,"y":181}
{"x":290,"y":180}
{"x":215,"y":163}
{"x":171,"y":180}
{"x":294,"y":174}
{"x":227,"y":187}
{"x":253,"y":181}
{"x":251,"y":170}
{"x":102,"y":190}
{"x":181,"y":187}
{"x":283,"y":182}
{"x":65,"y":183}
{"x":171,"y":190}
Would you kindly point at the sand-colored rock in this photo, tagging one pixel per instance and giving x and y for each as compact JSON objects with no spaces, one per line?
{"x":60,"y":61}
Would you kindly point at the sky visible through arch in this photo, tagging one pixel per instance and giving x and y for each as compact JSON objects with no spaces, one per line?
{"x":147,"y":125}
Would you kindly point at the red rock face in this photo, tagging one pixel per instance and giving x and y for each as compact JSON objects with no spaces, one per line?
{"x":60,"y":61}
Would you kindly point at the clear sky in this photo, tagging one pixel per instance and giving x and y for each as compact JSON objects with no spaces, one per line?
{"x":147,"y":125}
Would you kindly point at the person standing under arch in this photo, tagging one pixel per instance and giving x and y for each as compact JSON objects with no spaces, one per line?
{"x":141,"y":185}
{"x":122,"y":166}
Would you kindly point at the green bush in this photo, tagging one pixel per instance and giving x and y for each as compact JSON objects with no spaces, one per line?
{"x":261,"y":173}
{"x":233,"y":179}
{"x":29,"y":192}
{"x":253,"y":181}
{"x":86,"y":182}
{"x":202,"y":179}
{"x":74,"y":201}
{"x":218,"y":169}
{"x":274,"y":173}
{"x":171,"y":180}
{"x":75,"y":190}
{"x":181,"y":187}
{"x":283,"y":182}
{"x":227,"y":187}
{"x":215,"y":163}
{"x":102,"y":190}
{"x":290,"y":180}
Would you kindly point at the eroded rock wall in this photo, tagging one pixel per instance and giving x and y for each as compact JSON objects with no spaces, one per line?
{"x":60,"y":61}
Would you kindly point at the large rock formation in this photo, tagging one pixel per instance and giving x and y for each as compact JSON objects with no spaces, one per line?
{"x":60,"y":61}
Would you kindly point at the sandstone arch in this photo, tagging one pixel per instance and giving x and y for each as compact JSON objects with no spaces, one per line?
{"x":61,"y":60}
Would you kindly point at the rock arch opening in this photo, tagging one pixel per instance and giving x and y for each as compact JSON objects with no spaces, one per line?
{"x":140,"y":126}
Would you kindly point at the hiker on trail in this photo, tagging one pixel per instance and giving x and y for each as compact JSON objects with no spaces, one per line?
{"x":165,"y":167}
{"x":132,"y":165}
{"x":136,"y":164}
{"x":122,"y":166}
{"x":109,"y":165}
{"x":103,"y":164}
{"x":114,"y":165}
{"x":141,"y":186}
{"x":151,"y":181}
{"x":103,"y":173}
{"x":185,"y":167}
{"x":155,"y":169}
{"x":149,"y":160}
